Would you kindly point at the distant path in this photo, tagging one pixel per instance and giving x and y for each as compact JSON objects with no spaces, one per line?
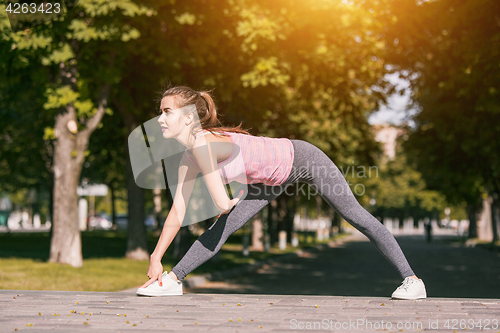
{"x":358,"y":269}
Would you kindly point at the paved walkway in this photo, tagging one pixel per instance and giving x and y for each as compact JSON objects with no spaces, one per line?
{"x":290,"y":296}
{"x":37,"y":311}
{"x":356,"y":268}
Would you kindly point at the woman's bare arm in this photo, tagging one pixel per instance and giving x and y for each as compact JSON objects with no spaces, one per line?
{"x":206,"y":157}
{"x":187,"y":178}
{"x":168,"y":233}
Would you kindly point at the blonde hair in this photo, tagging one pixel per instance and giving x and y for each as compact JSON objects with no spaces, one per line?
{"x":205,"y":106}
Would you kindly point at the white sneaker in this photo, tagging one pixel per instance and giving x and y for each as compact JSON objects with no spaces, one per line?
{"x":169,"y":287}
{"x":411,"y":288}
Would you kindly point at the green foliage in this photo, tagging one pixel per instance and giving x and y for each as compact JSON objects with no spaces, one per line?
{"x":85,"y":108}
{"x":323,"y":58}
{"x":59,"y":55}
{"x":256,"y":23}
{"x":50,"y":66}
{"x":60,"y":97}
{"x":130,"y":33}
{"x":186,"y":18}
{"x":80,"y":31}
{"x":96,"y":8}
{"x":105,"y":160}
{"x":49,"y":134}
{"x":266,"y":71}
{"x":22,"y":40}
{"x":307,"y":69}
{"x":451,"y":61}
{"x":401,"y":191}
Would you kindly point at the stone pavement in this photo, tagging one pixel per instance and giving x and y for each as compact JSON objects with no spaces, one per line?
{"x":38,"y":311}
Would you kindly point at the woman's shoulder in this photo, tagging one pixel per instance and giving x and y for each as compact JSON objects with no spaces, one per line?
{"x":216,"y":136}
{"x":206,"y":132}
{"x":206,"y":137}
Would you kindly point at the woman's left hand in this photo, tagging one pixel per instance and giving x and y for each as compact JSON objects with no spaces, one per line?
{"x":233,"y":203}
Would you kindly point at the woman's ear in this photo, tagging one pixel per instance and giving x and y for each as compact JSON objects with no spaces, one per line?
{"x":189,"y":119}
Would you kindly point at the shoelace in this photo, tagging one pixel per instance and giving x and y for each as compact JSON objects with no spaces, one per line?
{"x":407,"y":283}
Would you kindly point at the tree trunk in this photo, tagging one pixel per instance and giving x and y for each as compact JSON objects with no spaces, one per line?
{"x":290,"y":215}
{"x":319,"y":202}
{"x":337,"y":222}
{"x":473,"y":209}
{"x":272,"y":219}
{"x":136,"y":235}
{"x":281,"y":211}
{"x":182,"y":242}
{"x":66,"y":245}
{"x":494,"y":221}
{"x":69,"y":155}
{"x":113,"y":206}
{"x":257,"y":233}
{"x":157,"y":207}
{"x":137,"y":246}
{"x":33,"y":209}
{"x":170,"y":201}
{"x":51,"y":207}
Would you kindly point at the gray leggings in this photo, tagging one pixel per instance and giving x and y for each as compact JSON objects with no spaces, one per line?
{"x":311,"y":166}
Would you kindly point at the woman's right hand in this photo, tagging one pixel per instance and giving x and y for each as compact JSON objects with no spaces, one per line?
{"x":155,"y":272}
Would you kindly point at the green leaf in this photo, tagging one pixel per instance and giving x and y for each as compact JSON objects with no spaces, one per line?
{"x":85,"y":108}
{"x":58,"y":56}
{"x":133,"y":33}
{"x":266,"y":71}
{"x":60,"y":97}
{"x":49,"y":133}
{"x":186,"y":18}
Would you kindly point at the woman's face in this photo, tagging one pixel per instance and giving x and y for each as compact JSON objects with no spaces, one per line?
{"x":171,"y":119}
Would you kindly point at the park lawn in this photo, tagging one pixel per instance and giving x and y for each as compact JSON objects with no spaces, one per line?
{"x":24,"y":265}
{"x":97,"y":274}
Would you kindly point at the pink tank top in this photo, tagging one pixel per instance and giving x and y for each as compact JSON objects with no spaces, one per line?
{"x":256,"y":159}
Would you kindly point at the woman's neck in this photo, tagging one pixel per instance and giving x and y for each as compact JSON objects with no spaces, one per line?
{"x":187,"y":139}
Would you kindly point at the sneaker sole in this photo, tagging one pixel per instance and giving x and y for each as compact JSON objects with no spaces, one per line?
{"x":166,"y":293}
{"x":409,"y":298}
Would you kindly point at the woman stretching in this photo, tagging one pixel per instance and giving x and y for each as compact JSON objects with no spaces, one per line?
{"x":268,"y":166}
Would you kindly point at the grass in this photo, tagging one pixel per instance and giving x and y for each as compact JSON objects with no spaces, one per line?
{"x":24,"y":266}
{"x":104,"y":274}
